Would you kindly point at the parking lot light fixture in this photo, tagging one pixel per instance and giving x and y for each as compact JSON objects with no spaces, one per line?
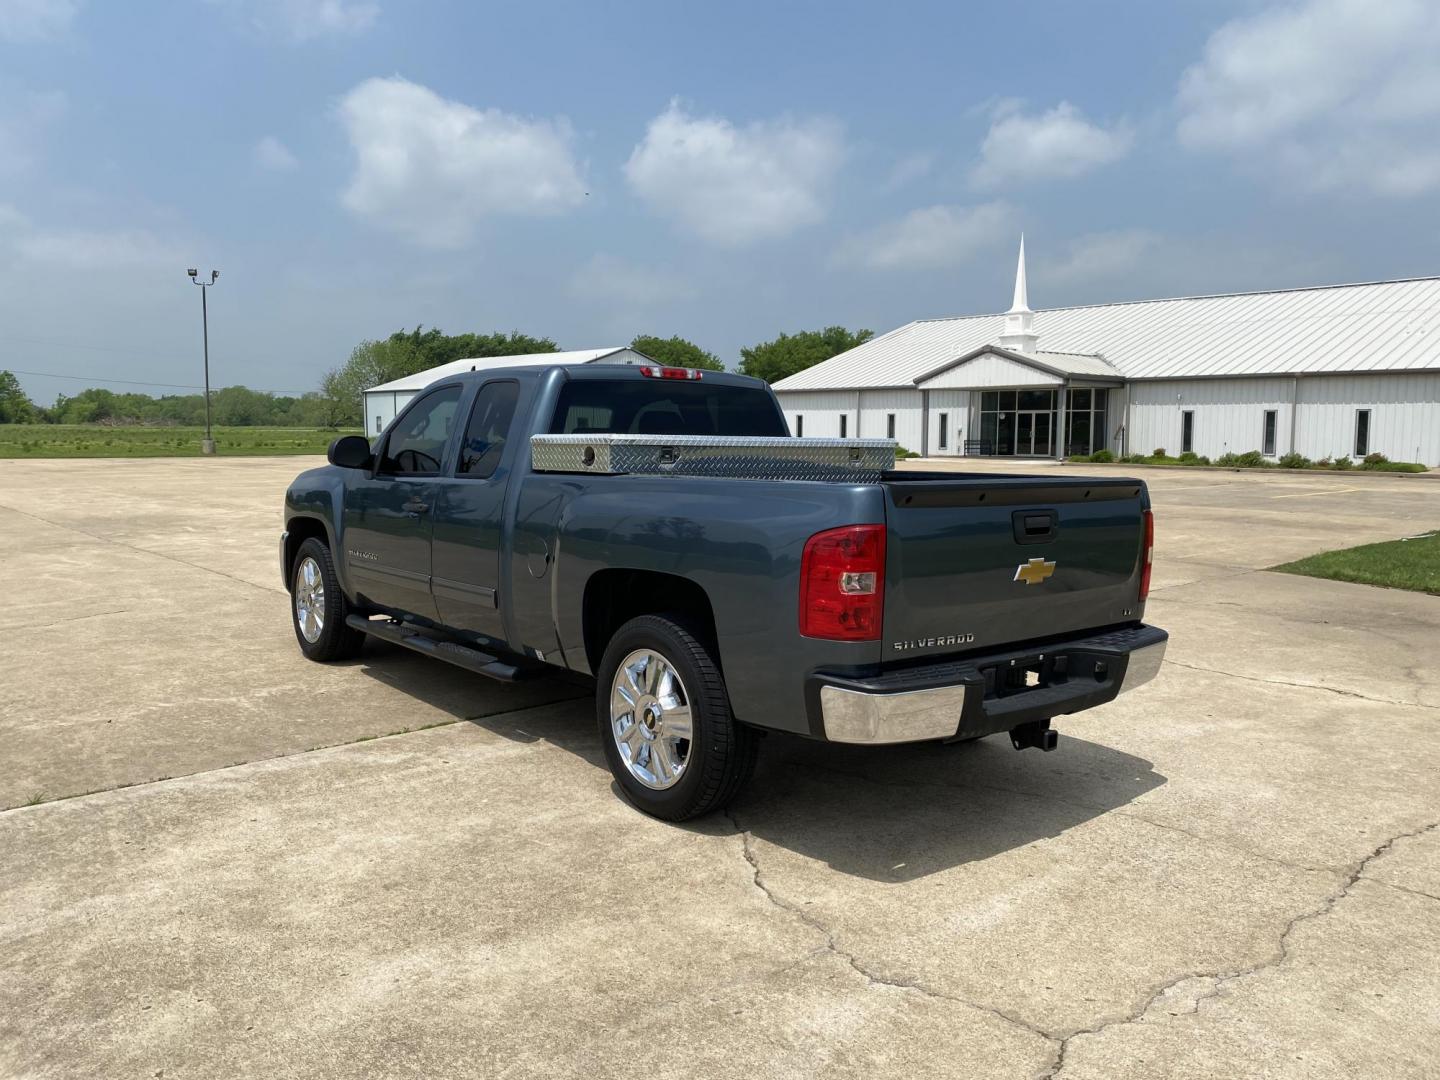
{"x":207,"y":445}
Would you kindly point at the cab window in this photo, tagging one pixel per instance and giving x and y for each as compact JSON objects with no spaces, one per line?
{"x":487,"y":430}
{"x":417,"y":444}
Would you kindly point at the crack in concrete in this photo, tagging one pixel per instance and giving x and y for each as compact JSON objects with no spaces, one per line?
{"x":1219,"y":980}
{"x":1302,"y":686}
{"x":1061,"y":1042}
{"x":141,"y":550}
{"x":832,"y":946}
{"x":62,"y":622}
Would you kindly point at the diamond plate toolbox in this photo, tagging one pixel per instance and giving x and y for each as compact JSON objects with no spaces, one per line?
{"x":741,"y":458}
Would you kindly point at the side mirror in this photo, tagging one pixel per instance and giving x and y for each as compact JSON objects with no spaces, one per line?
{"x":350,"y":452}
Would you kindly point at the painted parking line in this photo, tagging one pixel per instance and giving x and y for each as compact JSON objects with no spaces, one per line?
{"x":1308,"y":494}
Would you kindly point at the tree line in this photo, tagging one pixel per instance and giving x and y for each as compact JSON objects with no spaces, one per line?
{"x":338,"y":402}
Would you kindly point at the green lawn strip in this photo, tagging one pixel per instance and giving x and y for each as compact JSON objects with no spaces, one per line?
{"x":1412,"y":564}
{"x":96,"y":441}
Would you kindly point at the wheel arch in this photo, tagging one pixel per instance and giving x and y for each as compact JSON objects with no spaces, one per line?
{"x":300,"y":528}
{"x":615,"y":595}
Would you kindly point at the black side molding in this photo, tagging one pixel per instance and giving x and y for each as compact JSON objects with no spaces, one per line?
{"x":482,"y":663}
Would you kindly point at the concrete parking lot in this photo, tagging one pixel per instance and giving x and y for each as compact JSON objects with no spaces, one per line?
{"x":239,"y":863}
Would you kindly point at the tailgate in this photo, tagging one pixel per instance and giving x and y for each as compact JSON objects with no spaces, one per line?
{"x":983,"y":562}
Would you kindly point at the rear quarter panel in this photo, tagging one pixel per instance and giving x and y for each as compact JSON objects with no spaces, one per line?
{"x":739,"y":540}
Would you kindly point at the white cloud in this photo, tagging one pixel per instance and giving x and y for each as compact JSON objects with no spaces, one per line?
{"x":84,"y":249}
{"x":272,"y":155}
{"x":432,"y":169}
{"x":735,"y":186}
{"x":936,"y":236}
{"x":1337,"y":94}
{"x":606,"y":279}
{"x":299,"y":21}
{"x":25,"y":118}
{"x":307,"y":19}
{"x":1097,"y":256}
{"x":35,"y":20}
{"x":1040,"y":146}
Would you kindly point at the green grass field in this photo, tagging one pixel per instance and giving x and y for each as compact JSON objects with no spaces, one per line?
{"x":92,"y":440}
{"x":1395,"y":564}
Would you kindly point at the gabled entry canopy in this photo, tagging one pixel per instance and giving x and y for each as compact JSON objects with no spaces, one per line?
{"x":994,"y":366}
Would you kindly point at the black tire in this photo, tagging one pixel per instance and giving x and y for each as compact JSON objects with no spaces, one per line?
{"x":721,"y":751}
{"x":335,"y":640}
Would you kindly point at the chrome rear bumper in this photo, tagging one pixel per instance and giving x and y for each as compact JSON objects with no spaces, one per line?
{"x":958,"y":698}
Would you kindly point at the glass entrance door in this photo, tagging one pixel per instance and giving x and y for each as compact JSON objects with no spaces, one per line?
{"x":1034,"y":434}
{"x":1018,"y":422}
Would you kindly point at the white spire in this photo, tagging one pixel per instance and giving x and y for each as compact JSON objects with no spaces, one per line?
{"x":1019,"y":335}
{"x":1022,"y":302}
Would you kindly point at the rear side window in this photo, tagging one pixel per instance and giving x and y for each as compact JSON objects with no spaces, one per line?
{"x":664,"y":407}
{"x":488,"y":429}
{"x":418,"y":441}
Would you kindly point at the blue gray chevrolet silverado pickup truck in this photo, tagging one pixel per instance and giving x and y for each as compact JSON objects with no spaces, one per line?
{"x":657,"y":530}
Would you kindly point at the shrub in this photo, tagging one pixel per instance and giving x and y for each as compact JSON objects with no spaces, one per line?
{"x":1294,"y":460}
{"x":1375,"y":459}
{"x":1158,"y":453}
{"x":1250,"y":459}
{"x":1396,"y":466}
{"x":901,"y":453}
{"x":1324,"y":462}
{"x":1135,"y":459}
{"x":1342,"y":463}
{"x":1188,"y":455}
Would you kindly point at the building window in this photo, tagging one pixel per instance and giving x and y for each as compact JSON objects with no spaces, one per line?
{"x":1085,"y":421}
{"x":944,"y":430}
{"x":377,"y":425}
{"x":799,"y":426}
{"x":1268,"y":442}
{"x":889,"y":425}
{"x":844,"y":422}
{"x":1187,"y":431}
{"x":1362,"y":432}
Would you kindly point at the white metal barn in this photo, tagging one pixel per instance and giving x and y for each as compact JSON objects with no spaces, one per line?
{"x":384,"y":402}
{"x":1327,"y":371}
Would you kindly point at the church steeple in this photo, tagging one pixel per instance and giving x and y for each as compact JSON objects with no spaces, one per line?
{"x":1019,"y":335}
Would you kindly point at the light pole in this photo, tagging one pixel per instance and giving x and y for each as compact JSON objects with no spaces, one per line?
{"x":207,"y":446}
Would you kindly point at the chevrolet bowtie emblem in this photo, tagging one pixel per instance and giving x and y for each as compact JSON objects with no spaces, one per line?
{"x":1034,"y":571}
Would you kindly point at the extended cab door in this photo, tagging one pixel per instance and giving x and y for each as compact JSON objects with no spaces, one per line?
{"x":470,"y":514}
{"x":388,"y":516}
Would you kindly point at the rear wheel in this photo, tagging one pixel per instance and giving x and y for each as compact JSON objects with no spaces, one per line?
{"x":318,"y":607}
{"x":670,"y":739}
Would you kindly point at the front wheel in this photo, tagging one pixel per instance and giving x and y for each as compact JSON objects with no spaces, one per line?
{"x":670,"y":739}
{"x":318,"y":607}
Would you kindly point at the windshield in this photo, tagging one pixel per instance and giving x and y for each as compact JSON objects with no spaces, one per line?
{"x":665,"y":407}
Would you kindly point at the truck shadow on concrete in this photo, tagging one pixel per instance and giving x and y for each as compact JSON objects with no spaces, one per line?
{"x":898,"y":813}
{"x":893,"y":813}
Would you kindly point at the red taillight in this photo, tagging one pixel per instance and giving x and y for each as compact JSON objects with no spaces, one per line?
{"x":1147,"y":556}
{"x":670,"y":372}
{"x":842,"y":583}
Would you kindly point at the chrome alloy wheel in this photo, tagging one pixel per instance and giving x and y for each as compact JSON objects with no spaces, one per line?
{"x":650,"y":719}
{"x":309,"y":599}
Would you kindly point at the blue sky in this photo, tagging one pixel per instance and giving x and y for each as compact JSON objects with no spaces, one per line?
{"x":723,"y":172}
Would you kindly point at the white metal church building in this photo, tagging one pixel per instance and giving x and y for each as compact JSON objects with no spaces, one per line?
{"x":1327,"y":372}
{"x":384,"y":402}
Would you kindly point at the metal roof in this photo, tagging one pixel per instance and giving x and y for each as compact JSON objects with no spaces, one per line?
{"x":1378,"y":326}
{"x":1056,"y":363}
{"x":422,"y":379}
